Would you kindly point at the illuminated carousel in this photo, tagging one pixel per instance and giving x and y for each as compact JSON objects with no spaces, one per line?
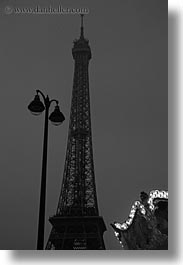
{"x":147,"y":225}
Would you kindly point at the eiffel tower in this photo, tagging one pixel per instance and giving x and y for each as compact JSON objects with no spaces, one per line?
{"x":77,"y":224}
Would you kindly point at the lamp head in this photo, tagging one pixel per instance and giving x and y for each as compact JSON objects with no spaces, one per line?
{"x":36,"y":106}
{"x":56,"y":117}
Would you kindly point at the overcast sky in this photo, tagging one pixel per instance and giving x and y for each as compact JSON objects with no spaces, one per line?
{"x":129,"y":97}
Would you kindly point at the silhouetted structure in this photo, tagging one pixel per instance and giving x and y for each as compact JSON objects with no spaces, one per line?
{"x":147,"y":225}
{"x":77,"y":224}
{"x":56,"y":117}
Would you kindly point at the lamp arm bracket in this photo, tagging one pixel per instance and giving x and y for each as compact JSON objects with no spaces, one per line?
{"x":40,"y":92}
{"x":54,"y":100}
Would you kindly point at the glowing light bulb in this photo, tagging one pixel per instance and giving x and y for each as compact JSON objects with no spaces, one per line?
{"x":124,"y":226}
{"x":117,"y":225}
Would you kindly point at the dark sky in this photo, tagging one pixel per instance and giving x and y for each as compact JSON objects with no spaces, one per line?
{"x":129,"y":97}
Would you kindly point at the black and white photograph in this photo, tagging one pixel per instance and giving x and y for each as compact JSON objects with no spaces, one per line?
{"x":84,"y":125}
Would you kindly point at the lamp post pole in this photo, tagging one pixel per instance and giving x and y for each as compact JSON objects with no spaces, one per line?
{"x":36,"y":106}
{"x":41,"y":224}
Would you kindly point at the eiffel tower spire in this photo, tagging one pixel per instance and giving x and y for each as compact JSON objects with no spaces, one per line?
{"x":82,"y":27}
{"x":77,"y":224}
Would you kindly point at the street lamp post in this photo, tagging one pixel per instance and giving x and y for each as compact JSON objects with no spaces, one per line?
{"x":56,"y":117}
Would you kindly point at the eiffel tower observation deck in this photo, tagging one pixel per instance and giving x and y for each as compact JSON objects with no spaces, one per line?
{"x":77,"y":224}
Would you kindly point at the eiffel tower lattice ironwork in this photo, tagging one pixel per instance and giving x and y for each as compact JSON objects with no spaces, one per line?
{"x":77,"y":224}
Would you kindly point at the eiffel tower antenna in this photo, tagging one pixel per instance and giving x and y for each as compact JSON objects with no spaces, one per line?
{"x":82,"y":26}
